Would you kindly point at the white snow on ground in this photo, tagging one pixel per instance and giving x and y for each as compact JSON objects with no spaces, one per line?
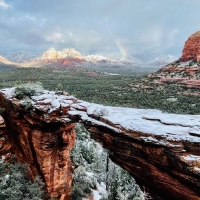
{"x":170,"y":126}
{"x":101,"y":190}
{"x":151,"y":123}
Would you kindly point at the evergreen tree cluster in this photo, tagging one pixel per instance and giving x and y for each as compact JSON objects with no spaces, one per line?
{"x":93,"y":168}
{"x":15,"y":184}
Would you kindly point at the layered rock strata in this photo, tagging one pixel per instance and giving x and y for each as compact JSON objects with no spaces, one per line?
{"x":42,"y":140}
{"x":160,"y":150}
{"x":186,"y":70}
{"x":183,"y":73}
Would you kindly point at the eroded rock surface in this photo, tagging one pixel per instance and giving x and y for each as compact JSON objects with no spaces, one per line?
{"x":183,"y":73}
{"x":160,"y":150}
{"x":42,"y":140}
{"x":191,"y":48}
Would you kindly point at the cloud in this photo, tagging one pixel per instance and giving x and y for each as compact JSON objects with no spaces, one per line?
{"x":55,"y":38}
{"x":141,"y":26}
{"x":30,"y":18}
{"x":172,"y":34}
{"x":4,"y":5}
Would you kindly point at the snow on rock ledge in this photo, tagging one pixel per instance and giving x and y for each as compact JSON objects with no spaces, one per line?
{"x":160,"y":150}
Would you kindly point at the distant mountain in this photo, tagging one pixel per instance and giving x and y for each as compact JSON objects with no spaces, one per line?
{"x":20,"y":57}
{"x":95,"y":58}
{"x":155,"y":61}
{"x":66,"y":58}
{"x":2,"y":59}
{"x":6,"y":65}
{"x":132,"y":62}
{"x":161,"y":60}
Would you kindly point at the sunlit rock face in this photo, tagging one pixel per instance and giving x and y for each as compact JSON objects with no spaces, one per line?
{"x":191,"y":48}
{"x":160,"y":150}
{"x":53,"y":55}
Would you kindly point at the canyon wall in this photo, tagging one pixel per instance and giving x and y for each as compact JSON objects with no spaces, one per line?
{"x":44,"y":142}
{"x":160,"y":150}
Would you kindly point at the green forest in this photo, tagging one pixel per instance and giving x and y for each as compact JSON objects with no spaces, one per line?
{"x":131,"y":90}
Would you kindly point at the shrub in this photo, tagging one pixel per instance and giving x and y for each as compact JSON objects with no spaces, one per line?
{"x":27,"y":90}
{"x":15,"y":185}
{"x":100,"y":112}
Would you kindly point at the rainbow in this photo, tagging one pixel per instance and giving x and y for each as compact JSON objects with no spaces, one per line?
{"x":121,"y":48}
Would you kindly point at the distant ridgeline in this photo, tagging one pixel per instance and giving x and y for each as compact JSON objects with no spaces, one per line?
{"x":70,"y":58}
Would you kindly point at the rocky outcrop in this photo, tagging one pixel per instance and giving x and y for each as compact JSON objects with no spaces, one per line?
{"x":52,"y":54}
{"x":41,"y":140}
{"x":183,"y":73}
{"x":186,"y":70}
{"x":191,"y":48}
{"x":160,"y":150}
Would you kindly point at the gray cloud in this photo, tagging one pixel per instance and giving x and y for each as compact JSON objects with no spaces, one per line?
{"x":108,"y":27}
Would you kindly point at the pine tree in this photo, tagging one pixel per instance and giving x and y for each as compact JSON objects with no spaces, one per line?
{"x":15,"y":184}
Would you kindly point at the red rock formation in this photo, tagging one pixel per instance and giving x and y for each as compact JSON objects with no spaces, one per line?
{"x":44,"y":142}
{"x":160,"y":150}
{"x":191,"y":48}
{"x":186,"y":70}
{"x":5,"y":144}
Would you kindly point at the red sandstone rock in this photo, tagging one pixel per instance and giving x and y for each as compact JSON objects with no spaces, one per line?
{"x":5,"y":144}
{"x":185,"y":71}
{"x":41,"y":141}
{"x":160,"y":150}
{"x":191,"y":48}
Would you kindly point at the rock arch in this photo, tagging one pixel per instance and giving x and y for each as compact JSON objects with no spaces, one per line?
{"x":160,"y":150}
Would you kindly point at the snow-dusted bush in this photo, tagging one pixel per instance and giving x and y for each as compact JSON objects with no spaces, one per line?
{"x":27,"y":103}
{"x":100,"y":112}
{"x":27,"y":90}
{"x":82,"y":183}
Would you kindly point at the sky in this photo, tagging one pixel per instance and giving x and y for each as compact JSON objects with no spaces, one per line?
{"x":106,"y":27}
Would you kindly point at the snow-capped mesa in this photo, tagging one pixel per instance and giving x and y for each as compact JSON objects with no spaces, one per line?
{"x":52,"y":54}
{"x":95,"y":58}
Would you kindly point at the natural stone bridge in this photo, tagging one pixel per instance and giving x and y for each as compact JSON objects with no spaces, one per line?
{"x":160,"y":150}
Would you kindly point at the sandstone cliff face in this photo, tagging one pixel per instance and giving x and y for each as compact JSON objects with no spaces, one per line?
{"x":191,"y":48}
{"x":5,"y":143}
{"x":160,"y":150}
{"x":41,"y":140}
